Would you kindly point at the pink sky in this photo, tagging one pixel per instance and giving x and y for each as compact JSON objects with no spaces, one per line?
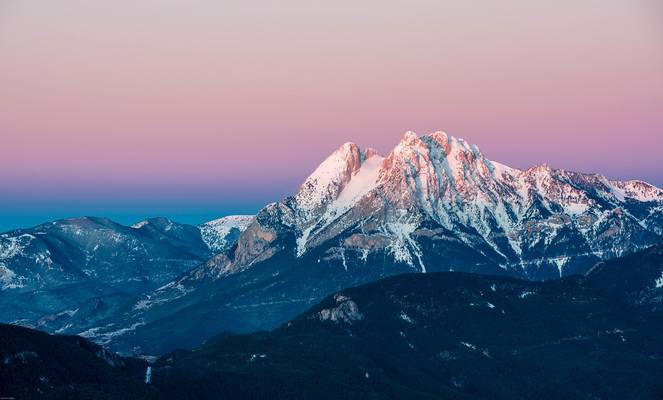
{"x":132,"y":99}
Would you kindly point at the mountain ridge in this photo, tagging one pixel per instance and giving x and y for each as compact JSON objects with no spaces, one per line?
{"x":446,"y":181}
{"x":437,"y":204}
{"x":448,"y":335}
{"x":64,"y":276}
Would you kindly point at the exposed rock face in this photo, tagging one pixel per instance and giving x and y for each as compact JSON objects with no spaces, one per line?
{"x":255,"y":242}
{"x":346,"y":311}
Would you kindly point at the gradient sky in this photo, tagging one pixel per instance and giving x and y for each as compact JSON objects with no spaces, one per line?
{"x":201,"y":108}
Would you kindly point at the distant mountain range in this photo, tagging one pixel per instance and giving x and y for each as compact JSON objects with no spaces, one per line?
{"x":433,"y":204}
{"x":67,"y":274}
{"x":447,"y":335}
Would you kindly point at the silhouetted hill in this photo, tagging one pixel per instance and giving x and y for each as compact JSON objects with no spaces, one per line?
{"x":36,"y":365}
{"x":443,"y":335}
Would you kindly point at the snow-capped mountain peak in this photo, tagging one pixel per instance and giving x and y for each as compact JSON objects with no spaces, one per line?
{"x":335,"y":186}
{"x":329,"y":178}
{"x":505,"y":214}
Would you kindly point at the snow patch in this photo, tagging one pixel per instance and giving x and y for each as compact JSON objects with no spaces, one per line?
{"x":635,"y":189}
{"x":560,"y":262}
{"x":405,"y":317}
{"x":148,"y":374}
{"x":302,"y":240}
{"x":254,"y":357}
{"x":215,"y":233}
{"x":8,"y":278}
{"x":469,"y":345}
{"x":402,"y":232}
{"x":103,"y":338}
{"x":12,"y":246}
{"x":659,"y":282}
{"x":140,"y":224}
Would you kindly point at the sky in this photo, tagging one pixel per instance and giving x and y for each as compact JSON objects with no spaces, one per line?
{"x":198,"y":109}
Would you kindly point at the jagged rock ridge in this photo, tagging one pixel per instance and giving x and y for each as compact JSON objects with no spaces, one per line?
{"x":540,"y":222}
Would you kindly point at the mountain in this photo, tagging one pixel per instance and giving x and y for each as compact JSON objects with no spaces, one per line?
{"x":447,"y":335}
{"x":80,"y":249}
{"x":35,"y":365}
{"x":66,"y":275}
{"x":434,"y":203}
{"x":436,"y":193}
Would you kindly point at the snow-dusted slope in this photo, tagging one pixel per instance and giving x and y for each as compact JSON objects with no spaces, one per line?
{"x":222,"y":233}
{"x":68,"y":273}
